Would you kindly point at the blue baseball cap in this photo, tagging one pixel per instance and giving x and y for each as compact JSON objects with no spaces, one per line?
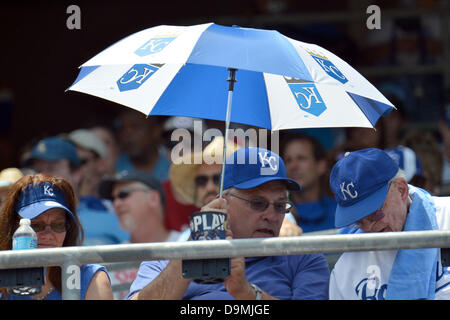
{"x":249,"y":168}
{"x":407,"y":160}
{"x":54,"y":149}
{"x":35,"y":199}
{"x":360,"y":182}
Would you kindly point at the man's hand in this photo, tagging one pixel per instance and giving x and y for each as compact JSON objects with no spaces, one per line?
{"x":290,"y":229}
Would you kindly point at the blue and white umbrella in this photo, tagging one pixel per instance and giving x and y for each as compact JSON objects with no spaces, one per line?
{"x":281,"y":83}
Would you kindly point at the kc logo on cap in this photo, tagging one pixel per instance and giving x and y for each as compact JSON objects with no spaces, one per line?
{"x":251,"y":167}
{"x":350,"y":192}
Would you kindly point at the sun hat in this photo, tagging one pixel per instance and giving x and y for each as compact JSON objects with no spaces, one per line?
{"x":182,"y":173}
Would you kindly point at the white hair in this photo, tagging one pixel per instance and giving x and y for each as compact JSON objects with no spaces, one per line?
{"x":399,"y":175}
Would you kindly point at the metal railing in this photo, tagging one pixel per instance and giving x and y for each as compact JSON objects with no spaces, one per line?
{"x":68,"y":258}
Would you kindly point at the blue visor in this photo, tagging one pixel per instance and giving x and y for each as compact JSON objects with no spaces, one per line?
{"x":37,"y":199}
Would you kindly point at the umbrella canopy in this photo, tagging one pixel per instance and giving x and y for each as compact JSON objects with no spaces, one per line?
{"x":281,"y":83}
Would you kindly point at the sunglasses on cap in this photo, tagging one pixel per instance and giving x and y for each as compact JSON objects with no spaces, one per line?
{"x":57,"y":227}
{"x":201,"y":181}
{"x":261,"y":205}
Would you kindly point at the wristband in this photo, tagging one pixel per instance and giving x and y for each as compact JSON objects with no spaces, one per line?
{"x":258,"y":291}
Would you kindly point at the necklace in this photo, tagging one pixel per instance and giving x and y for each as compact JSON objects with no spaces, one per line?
{"x":45,"y":295}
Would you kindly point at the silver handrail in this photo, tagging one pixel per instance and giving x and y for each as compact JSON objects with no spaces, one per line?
{"x":68,"y":257}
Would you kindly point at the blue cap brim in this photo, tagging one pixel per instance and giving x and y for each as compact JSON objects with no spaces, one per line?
{"x":36,"y":209}
{"x":346,"y":216}
{"x":291,"y":184}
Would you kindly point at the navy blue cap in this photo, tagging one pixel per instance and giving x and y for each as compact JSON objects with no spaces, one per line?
{"x":35,"y":199}
{"x":54,"y":149}
{"x":249,"y":168}
{"x":360,"y":182}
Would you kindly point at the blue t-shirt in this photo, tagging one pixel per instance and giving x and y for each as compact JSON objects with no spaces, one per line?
{"x":100,"y":226}
{"x":87,"y":272}
{"x":291,"y":277}
{"x":318,"y":215}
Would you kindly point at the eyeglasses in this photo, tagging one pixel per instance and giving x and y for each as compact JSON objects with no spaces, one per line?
{"x":126,"y":192}
{"x":261,"y":205}
{"x":201,"y":181}
{"x":57,"y":227}
{"x":373,"y":217}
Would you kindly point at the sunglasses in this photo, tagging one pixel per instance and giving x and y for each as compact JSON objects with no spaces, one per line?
{"x":261,"y":205}
{"x":201,"y":181}
{"x":57,"y":227}
{"x":126,"y":192}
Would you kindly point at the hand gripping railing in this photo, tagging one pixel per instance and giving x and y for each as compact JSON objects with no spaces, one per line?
{"x":70,"y":258}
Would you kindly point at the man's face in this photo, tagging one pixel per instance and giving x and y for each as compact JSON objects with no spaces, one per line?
{"x":131,"y":203}
{"x":391,"y":216}
{"x":246,"y":222}
{"x":59,"y":168}
{"x":207,"y":191}
{"x":301,"y":164}
{"x":137,"y":133}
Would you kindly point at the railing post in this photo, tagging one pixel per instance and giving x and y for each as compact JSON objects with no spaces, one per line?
{"x":71,"y":280}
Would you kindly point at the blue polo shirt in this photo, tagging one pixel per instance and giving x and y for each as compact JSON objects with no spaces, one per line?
{"x":292,"y":277}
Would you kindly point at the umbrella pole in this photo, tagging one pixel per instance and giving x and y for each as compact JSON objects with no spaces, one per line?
{"x":231,"y":80}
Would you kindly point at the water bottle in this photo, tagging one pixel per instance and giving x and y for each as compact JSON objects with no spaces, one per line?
{"x":23,"y":239}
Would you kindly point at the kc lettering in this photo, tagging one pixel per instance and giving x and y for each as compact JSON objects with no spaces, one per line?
{"x":48,"y":191}
{"x":154,"y":45}
{"x":136,"y":75}
{"x":269,"y":164}
{"x":308,"y":98}
{"x":346,"y":190}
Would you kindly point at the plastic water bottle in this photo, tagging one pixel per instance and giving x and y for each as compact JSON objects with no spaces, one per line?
{"x":23,"y":239}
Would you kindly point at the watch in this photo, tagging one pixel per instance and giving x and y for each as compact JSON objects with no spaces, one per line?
{"x":258,"y":291}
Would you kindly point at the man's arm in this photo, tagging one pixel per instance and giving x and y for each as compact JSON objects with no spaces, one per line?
{"x":238,"y":286}
{"x":169,"y":284}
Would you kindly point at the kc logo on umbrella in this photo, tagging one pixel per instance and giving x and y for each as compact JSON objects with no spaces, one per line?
{"x":307,"y":96}
{"x":153,"y":45}
{"x":328,"y":67}
{"x":136,"y":76}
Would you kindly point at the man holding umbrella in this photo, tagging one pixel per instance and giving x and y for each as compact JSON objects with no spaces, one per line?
{"x":255,"y":198}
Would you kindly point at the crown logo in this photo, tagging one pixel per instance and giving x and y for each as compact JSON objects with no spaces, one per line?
{"x":316,"y":54}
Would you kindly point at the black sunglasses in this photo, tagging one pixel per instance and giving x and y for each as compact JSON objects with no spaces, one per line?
{"x":261,"y":205}
{"x":201,"y":181}
{"x":126,"y":192}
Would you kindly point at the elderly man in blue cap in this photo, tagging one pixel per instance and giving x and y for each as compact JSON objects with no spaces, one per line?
{"x":255,"y":199}
{"x":373,"y":196}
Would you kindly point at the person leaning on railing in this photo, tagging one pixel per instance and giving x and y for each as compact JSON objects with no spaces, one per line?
{"x":373,"y":196}
{"x":49,"y":202}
